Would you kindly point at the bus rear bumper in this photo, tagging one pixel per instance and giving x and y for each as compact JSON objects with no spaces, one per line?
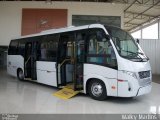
{"x":144,"y":90}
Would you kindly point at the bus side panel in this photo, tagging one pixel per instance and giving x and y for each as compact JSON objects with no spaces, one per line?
{"x":107,"y":75}
{"x":13,"y":63}
{"x":46,"y":73}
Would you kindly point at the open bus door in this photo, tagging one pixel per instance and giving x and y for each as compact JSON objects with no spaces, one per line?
{"x":30,"y":60}
{"x":69,"y":70}
{"x":79,"y":52}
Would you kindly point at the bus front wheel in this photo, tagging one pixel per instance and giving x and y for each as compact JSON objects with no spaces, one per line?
{"x":97,"y":90}
{"x":20,"y":74}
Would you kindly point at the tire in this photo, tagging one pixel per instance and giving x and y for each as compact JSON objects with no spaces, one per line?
{"x":97,"y":90}
{"x":20,"y":74}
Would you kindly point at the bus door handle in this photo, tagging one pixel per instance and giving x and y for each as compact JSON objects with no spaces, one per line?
{"x":49,"y":71}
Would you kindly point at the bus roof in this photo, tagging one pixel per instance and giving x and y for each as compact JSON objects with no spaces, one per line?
{"x":60,"y":30}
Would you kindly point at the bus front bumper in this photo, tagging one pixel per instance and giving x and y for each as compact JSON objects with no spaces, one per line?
{"x":144,"y":90}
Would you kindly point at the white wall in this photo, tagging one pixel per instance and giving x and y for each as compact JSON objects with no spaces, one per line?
{"x":151,"y":49}
{"x":11,"y":14}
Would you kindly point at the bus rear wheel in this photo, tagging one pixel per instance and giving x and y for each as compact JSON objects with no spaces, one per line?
{"x":97,"y":90}
{"x":20,"y":74}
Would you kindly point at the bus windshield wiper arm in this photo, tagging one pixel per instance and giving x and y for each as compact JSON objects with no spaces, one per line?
{"x":143,"y":55}
{"x":136,"y":53}
{"x":129,"y":51}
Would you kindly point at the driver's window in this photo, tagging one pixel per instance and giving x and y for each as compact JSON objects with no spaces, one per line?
{"x":100,"y":50}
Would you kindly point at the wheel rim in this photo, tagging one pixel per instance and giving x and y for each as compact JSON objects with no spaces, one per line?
{"x":96,"y":89}
{"x":20,"y":74}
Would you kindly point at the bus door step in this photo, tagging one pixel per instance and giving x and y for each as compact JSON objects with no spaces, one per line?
{"x":65,"y":93}
{"x":27,"y":78}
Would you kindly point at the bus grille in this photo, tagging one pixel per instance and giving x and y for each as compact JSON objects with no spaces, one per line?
{"x":144,"y":74}
{"x":144,"y":78}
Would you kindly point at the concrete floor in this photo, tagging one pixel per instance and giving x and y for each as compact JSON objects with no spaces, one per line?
{"x":156,"y":79}
{"x":26,"y":97}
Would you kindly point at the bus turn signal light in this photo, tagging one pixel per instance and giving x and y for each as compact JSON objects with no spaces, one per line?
{"x":121,"y":80}
{"x":113,"y":87}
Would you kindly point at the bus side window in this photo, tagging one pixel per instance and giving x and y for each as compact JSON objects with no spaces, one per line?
{"x":100,"y":50}
{"x":21,"y":48}
{"x":13,"y":48}
{"x":92,"y":51}
{"x":48,"y":48}
{"x":43,"y":51}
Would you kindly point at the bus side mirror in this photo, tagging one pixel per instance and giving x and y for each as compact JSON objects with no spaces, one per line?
{"x":137,"y":40}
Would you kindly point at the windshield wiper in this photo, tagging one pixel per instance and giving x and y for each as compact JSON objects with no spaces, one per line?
{"x":135,"y":53}
{"x":143,"y":55}
{"x":140,"y":53}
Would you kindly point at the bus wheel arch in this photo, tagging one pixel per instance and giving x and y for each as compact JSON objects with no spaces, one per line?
{"x":96,"y":89}
{"x":20,"y":74}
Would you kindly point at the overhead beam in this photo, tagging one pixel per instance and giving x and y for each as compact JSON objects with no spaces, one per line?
{"x":132,"y":15}
{"x":145,"y":22}
{"x":137,"y":2}
{"x":135,"y":13}
{"x":125,"y":1}
{"x":146,"y":1}
{"x":132,"y":24}
{"x":130,"y":5}
{"x":143,"y":12}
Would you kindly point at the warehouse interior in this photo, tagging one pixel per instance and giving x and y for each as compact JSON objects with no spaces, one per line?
{"x":140,"y":18}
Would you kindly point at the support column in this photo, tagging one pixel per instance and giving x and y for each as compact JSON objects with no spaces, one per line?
{"x":159,"y":29}
{"x":141,"y":31}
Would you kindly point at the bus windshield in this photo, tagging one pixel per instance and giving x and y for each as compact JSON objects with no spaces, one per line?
{"x":125,"y":44}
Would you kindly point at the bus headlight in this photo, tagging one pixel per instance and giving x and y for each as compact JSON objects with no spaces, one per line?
{"x":133,"y":74}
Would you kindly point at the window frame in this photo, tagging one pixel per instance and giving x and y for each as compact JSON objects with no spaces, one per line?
{"x":99,"y":55}
{"x":11,"y":50}
{"x":46,"y":39}
{"x":86,"y":31}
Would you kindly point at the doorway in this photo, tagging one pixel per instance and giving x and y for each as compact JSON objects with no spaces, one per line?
{"x":27,"y":59}
{"x":65,"y":60}
{"x":68,"y":68}
{"x":30,"y":59}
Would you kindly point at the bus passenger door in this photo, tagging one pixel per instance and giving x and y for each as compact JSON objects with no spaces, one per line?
{"x":66,"y":60}
{"x":79,"y":55}
{"x":62,"y":60}
{"x":70,"y":62}
{"x":28,"y":60}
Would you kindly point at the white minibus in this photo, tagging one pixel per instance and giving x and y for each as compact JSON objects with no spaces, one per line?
{"x":96,"y":59}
